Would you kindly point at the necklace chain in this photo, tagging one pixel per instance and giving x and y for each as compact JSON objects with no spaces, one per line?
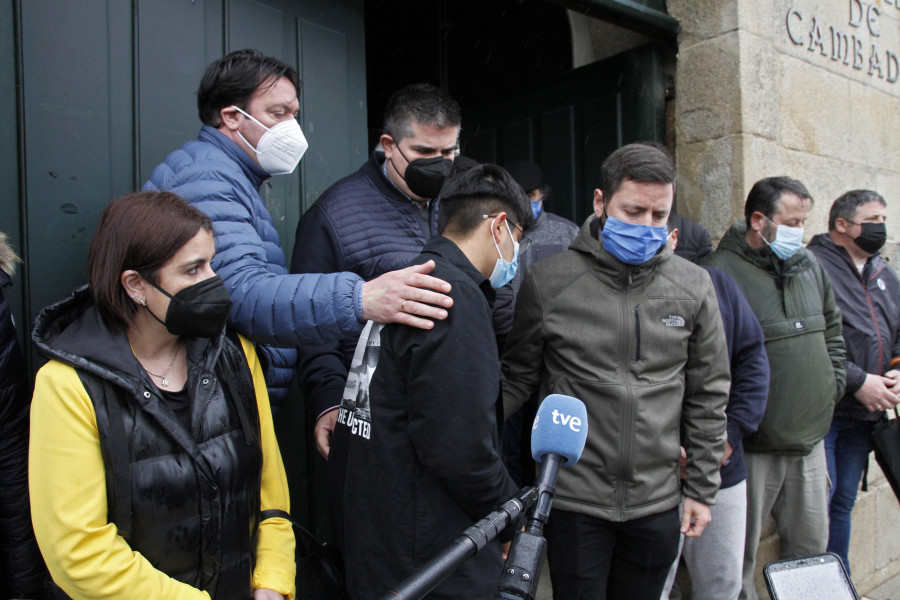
{"x":162,"y":377}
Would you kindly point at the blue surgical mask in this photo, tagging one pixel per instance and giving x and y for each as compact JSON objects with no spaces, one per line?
{"x":632,"y":244}
{"x":536,"y":207}
{"x":504,"y":270}
{"x":787,"y":240}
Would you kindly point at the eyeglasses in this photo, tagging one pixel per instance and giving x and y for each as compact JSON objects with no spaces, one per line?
{"x":508,"y":220}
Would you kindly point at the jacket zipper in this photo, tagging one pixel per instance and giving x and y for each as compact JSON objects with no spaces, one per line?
{"x":865,"y":285}
{"x":637,"y":333}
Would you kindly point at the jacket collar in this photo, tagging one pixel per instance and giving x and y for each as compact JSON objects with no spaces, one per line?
{"x":373,"y":170}
{"x":253,"y":171}
{"x":824,"y":241}
{"x":734,"y":241}
{"x":73,"y":332}
{"x":446,"y":249}
{"x":589,"y":243}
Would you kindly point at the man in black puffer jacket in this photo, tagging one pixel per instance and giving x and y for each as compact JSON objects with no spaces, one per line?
{"x":22,"y":570}
{"x":868,"y":293}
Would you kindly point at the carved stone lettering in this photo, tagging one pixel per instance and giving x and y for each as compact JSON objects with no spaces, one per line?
{"x":872,"y":15}
{"x":840,"y":46}
{"x":815,"y":38}
{"x":892,"y":66}
{"x":797,"y":15}
{"x":852,"y":50}
{"x":858,"y":58}
{"x":856,"y":13}
{"x":875,"y":62}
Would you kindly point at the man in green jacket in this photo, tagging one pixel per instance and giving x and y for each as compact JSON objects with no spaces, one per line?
{"x":791,"y":295}
{"x":621,"y":323}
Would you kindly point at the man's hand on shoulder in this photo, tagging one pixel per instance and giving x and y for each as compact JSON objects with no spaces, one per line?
{"x":876,"y":393}
{"x":695,"y":517}
{"x":324,"y":430}
{"x":405,"y":296}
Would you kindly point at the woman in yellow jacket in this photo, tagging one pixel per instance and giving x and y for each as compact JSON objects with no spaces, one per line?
{"x":153,"y":469}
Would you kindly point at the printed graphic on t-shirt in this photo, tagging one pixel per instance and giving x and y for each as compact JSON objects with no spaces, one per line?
{"x":355,"y":412}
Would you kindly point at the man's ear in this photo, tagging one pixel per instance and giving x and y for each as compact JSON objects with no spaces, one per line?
{"x":840,"y":225}
{"x":598,"y":204}
{"x":499,"y":226}
{"x":758,"y":221}
{"x":230,"y":118}
{"x":387,"y":143}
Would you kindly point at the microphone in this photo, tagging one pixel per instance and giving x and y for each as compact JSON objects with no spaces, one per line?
{"x":557,"y":440}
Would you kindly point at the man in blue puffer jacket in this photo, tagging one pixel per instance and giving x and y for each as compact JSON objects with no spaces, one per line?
{"x":249,"y":104}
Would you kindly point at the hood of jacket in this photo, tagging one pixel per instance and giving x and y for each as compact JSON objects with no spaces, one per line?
{"x":734,"y":241}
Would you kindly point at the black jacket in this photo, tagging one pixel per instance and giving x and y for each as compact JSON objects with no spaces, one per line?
{"x":870,"y":305}
{"x":188,"y":501}
{"x":22,"y":570}
{"x":426,"y":465}
{"x":361,"y":224}
{"x":694,"y":243}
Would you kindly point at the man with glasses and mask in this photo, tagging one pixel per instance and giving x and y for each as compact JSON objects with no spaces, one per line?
{"x":249,"y":104}
{"x":373,"y":221}
{"x":418,"y":419}
{"x":868,"y":294}
{"x":635,"y":332}
{"x":792,"y":297}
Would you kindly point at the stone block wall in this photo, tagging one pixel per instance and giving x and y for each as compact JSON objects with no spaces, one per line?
{"x":768,"y":88}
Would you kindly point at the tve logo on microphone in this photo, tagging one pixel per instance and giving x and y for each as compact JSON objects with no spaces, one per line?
{"x":560,"y":427}
{"x":572,"y":421}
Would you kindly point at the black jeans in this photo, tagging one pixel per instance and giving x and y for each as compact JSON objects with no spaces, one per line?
{"x":595,"y":559}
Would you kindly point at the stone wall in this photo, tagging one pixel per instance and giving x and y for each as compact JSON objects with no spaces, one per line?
{"x":771,"y":88}
{"x":750,"y":103}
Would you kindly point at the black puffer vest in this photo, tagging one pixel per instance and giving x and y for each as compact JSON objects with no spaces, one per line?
{"x":186,"y":500}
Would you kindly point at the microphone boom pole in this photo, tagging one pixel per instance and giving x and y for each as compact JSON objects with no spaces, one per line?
{"x":462,"y":548}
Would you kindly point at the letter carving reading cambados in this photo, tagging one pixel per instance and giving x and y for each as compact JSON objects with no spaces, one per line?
{"x":857,"y":48}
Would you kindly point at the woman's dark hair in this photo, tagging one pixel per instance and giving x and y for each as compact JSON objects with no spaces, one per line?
{"x":766,"y":193}
{"x":140,"y":231}
{"x":479,"y":191}
{"x":234,"y":78}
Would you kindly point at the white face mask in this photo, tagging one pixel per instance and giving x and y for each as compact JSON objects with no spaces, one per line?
{"x":280,"y":148}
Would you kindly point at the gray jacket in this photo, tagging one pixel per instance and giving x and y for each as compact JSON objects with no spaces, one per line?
{"x":643,"y":347}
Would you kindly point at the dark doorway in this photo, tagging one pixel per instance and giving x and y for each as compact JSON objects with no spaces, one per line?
{"x":509,"y":64}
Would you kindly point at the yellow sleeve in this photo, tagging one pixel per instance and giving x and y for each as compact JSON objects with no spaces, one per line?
{"x":66,"y":479}
{"x":275,"y":565}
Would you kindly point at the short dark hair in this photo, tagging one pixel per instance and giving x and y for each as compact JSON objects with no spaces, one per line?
{"x":139,"y":231}
{"x":482,"y":190}
{"x":234,"y":78}
{"x":848,"y":203}
{"x":640,"y":162}
{"x":765,"y":194}
{"x":423,"y":103}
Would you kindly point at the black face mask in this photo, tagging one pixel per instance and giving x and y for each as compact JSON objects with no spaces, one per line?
{"x":425,"y":176}
{"x":199,"y":310}
{"x":872,"y":237}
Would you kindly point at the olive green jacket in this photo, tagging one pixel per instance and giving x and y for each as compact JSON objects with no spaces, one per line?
{"x":643,"y":347}
{"x":795,"y":305}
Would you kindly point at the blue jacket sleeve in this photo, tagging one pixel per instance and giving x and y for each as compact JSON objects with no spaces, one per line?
{"x":271,"y":306}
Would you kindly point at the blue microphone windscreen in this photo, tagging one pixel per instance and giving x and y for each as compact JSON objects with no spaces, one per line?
{"x":560,"y":427}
